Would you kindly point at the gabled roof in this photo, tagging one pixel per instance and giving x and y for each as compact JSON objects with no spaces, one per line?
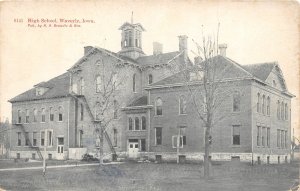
{"x":141,"y":101}
{"x":132,"y":25}
{"x":58,"y":87}
{"x":224,"y":69}
{"x":261,"y":71}
{"x":159,"y":59}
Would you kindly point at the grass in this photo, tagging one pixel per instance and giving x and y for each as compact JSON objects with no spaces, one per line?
{"x":156,"y":177}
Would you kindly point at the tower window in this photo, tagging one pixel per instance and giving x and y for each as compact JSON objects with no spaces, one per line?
{"x":134,"y":83}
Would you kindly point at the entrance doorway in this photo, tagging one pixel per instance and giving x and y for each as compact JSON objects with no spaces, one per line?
{"x":60,"y":148}
{"x":133,"y":148}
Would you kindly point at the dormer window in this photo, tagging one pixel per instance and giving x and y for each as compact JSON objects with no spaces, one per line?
{"x":40,"y":91}
{"x":196,"y":76}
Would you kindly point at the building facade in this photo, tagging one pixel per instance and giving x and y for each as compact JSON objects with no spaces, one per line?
{"x":143,"y":107}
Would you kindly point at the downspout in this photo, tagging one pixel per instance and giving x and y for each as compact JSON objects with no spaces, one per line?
{"x":69,"y":127}
{"x":149,"y":126}
{"x":252,"y":147}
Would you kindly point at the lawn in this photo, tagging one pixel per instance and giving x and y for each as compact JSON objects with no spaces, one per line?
{"x":151,"y":176}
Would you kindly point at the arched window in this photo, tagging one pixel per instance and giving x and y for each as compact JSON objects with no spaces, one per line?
{"x":286,"y":111}
{"x":278,"y":109}
{"x":137,"y":123}
{"x":236,"y":101}
{"x":258,"y":103}
{"x":97,"y":111}
{"x":134,"y":83}
{"x":81,"y":83}
{"x":60,"y":114}
{"x":27,"y":116}
{"x":150,"y":79}
{"x":158,"y":106}
{"x":115,"y":109}
{"x":98,"y":84}
{"x":130,"y":123}
{"x":34,"y":115}
{"x":182,"y":105}
{"x":43,"y":115}
{"x":268,"y":105}
{"x":144,"y":123}
{"x":282,"y":110}
{"x":263,"y":104}
{"x":130,"y":38}
{"x":51,"y":114}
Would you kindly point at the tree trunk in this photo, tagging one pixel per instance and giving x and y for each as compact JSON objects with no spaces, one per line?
{"x":101,"y":146}
{"x":206,"y":154}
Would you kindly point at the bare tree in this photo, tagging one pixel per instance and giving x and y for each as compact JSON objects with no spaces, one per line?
{"x":204,"y":83}
{"x":107,"y":106}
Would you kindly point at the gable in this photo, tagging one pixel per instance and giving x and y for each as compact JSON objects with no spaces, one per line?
{"x":276,"y":79}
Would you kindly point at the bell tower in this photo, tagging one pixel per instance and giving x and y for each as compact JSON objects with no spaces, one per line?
{"x":131,"y":40}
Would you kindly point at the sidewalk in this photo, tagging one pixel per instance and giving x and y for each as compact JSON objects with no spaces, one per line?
{"x":56,"y":166}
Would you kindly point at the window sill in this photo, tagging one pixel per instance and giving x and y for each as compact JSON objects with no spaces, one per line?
{"x":43,"y":122}
{"x":158,"y":115}
{"x":183,"y":114}
{"x":138,"y":130}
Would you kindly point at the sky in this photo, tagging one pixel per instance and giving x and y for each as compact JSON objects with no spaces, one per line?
{"x":255,"y":32}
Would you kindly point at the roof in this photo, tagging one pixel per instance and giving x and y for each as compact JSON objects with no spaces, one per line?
{"x":141,"y":101}
{"x":225,"y":69}
{"x":58,"y":87}
{"x":261,"y":71}
{"x":132,"y":25}
{"x":156,"y":59}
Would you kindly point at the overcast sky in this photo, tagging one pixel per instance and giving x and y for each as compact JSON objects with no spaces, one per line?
{"x":255,"y":32}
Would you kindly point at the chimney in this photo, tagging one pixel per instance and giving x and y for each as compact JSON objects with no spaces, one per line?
{"x":222,"y":48}
{"x":157,"y":48}
{"x":87,"y":49}
{"x":183,"y":46}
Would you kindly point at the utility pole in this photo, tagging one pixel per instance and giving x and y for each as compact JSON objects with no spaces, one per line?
{"x":45,"y":152}
{"x":178,"y":143}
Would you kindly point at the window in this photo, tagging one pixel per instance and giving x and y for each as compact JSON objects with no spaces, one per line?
{"x":134,"y":83}
{"x":182,"y":105}
{"x":278,"y":109}
{"x":258,"y":103}
{"x":34,"y":115}
{"x":130,"y":38}
{"x":115,"y":137}
{"x":274,"y":83}
{"x":282,"y":139}
{"x":263,"y":104}
{"x":204,"y":105}
{"x":282,"y":110}
{"x":19,"y":116}
{"x":81,"y":112}
{"x":49,"y":138}
{"x":268,"y":137}
{"x":81,"y":84}
{"x":263,"y":131}
{"x":43,"y":115}
{"x":27,"y":116}
{"x":115,"y":109}
{"x":74,"y":88}
{"x":268,"y":105}
{"x":236,"y":135}
{"x":130,"y":123}
{"x":150,"y":79}
{"x":143,"y":144}
{"x":34,"y":140}
{"x":175,"y":141}
{"x":19,"y":143}
{"x":137,"y":123}
{"x":285,"y":139}
{"x":158,"y":136}
{"x":51,"y":114}
{"x":158,"y":106}
{"x":98,"y":84}
{"x":236,"y":101}
{"x":258,"y":136}
{"x":42,"y":138}
{"x":144,"y":123}
{"x":60,"y":114}
{"x":80,"y":138}
{"x":286,"y":111}
{"x":26,"y":139}
{"x":97,"y":111}
{"x":278,"y":138}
